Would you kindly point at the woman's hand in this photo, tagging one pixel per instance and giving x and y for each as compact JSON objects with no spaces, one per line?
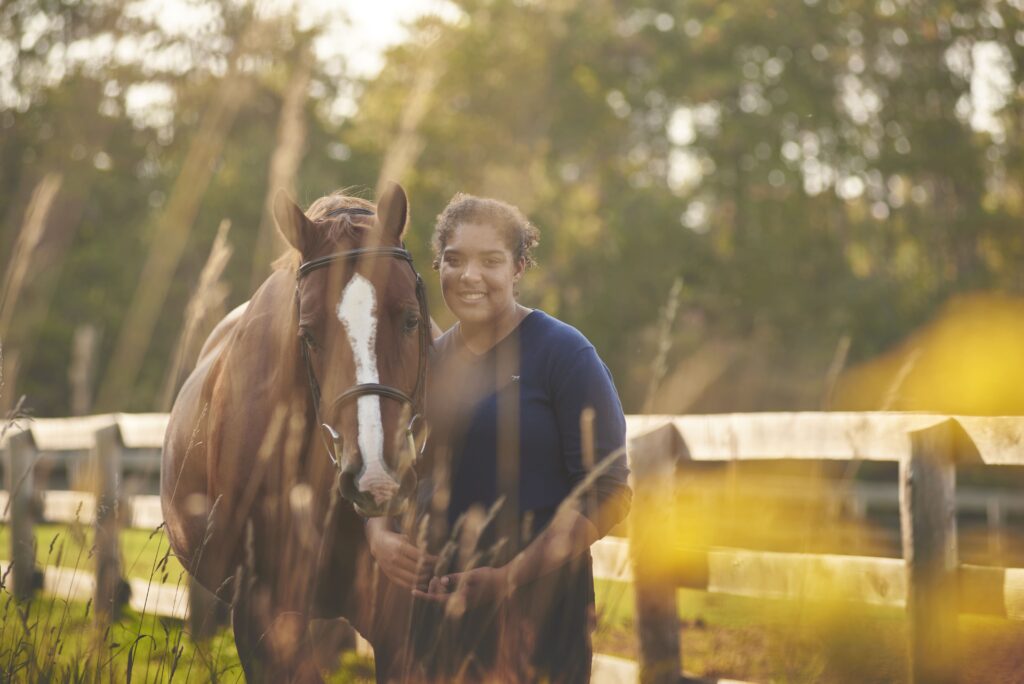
{"x":402,"y":562}
{"x":474,"y":587}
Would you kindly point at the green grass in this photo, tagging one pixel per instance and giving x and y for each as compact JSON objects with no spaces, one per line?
{"x":70,"y":546}
{"x":50,"y":639}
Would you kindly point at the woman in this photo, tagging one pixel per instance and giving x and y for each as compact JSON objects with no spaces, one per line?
{"x":509,"y":390}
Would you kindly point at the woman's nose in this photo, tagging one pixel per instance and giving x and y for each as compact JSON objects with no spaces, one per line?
{"x":470,"y":272}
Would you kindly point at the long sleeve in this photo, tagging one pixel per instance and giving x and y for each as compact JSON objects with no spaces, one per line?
{"x":582,"y":381}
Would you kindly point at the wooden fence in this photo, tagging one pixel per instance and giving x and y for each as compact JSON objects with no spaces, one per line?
{"x":929,"y":581}
{"x":100,"y":450}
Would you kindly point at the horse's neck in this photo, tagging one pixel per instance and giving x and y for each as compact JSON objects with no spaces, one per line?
{"x":263,"y":357}
{"x":263,"y":404}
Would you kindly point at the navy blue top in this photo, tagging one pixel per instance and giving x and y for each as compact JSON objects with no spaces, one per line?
{"x":541,"y":377}
{"x":557,"y":374}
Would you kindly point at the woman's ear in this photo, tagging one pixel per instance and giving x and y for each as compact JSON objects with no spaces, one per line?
{"x":520,"y":269}
{"x":293,"y":224}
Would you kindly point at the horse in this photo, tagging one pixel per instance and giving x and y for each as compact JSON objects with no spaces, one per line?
{"x":295,"y":425}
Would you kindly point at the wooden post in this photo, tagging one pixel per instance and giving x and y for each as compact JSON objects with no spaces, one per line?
{"x":108,"y":450}
{"x":653,"y":463}
{"x":22,"y":455}
{"x":928,"y":523}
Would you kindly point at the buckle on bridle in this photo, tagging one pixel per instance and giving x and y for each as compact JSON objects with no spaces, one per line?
{"x":335,"y":447}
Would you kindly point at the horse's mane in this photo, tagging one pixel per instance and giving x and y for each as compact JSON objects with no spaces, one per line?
{"x":342,"y":226}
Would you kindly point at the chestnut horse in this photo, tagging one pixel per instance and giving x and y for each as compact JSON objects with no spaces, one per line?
{"x":295,"y":423}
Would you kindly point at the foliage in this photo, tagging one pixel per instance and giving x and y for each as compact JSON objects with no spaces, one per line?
{"x":810,"y":170}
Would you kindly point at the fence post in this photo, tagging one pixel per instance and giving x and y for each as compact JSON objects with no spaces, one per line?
{"x":22,"y":455}
{"x":109,"y":595}
{"x":928,"y":524}
{"x":653,"y":463}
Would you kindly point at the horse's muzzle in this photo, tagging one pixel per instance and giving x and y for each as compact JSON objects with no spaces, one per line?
{"x":365,"y":503}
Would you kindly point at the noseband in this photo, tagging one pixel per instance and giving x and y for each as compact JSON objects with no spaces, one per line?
{"x":414,"y":401}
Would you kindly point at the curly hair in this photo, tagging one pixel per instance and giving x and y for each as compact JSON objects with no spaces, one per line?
{"x":520,"y":235}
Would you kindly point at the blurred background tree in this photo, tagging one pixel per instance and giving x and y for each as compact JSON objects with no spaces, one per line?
{"x":737,"y":200}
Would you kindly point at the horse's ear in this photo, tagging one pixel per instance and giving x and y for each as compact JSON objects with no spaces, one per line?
{"x":393,"y":211}
{"x":290,"y":220}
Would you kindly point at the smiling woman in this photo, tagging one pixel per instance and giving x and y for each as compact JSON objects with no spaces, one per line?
{"x":516,"y":498}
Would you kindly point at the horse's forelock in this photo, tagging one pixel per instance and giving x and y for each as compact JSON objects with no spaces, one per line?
{"x":344,"y":226}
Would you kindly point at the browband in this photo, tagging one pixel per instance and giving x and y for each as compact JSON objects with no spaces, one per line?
{"x":352,"y":255}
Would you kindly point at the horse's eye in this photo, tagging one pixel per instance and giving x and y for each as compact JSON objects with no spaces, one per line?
{"x":412,"y":321}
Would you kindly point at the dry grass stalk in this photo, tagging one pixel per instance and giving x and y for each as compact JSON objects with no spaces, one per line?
{"x":407,"y":144}
{"x":208,"y":297}
{"x":29,"y":238}
{"x":892,"y":394}
{"x":171,"y":234}
{"x":693,"y":375}
{"x":284,"y":163}
{"x":665,"y":325}
{"x":834,"y":369}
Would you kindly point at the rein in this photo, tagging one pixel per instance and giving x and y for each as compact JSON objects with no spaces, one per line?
{"x":414,"y":401}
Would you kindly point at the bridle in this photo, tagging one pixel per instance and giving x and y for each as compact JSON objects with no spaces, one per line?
{"x":415,"y":401}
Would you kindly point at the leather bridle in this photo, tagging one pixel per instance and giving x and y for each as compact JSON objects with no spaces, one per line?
{"x":415,"y":401}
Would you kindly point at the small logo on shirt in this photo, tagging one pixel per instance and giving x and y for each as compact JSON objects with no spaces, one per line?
{"x":515,"y":378}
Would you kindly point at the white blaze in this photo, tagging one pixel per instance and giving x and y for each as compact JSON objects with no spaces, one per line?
{"x":357,"y":311}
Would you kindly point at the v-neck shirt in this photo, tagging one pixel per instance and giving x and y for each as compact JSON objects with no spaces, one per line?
{"x":554,"y":372}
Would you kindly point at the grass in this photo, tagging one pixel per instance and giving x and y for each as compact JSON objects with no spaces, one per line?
{"x":141,"y":550}
{"x":791,"y":641}
{"x":51,"y":639}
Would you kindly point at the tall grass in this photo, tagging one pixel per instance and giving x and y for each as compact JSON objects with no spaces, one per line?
{"x":57,"y":636}
{"x":205,"y":307}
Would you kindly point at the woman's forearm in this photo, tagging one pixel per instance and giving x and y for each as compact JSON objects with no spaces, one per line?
{"x":568,"y":535}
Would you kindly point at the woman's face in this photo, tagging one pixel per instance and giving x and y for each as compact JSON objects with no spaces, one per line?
{"x":478,"y":274}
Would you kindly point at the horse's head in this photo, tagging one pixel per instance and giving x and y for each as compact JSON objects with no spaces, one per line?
{"x":364,"y":332}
